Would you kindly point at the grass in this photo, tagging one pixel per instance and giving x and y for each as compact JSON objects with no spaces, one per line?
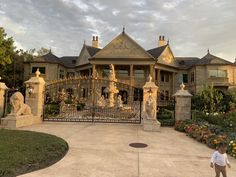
{"x":25,"y":151}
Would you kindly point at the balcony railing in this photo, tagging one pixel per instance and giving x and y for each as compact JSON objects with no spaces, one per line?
{"x":218,"y":80}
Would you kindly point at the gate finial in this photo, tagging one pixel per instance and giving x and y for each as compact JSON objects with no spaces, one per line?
{"x":37,"y":73}
{"x":149,"y":78}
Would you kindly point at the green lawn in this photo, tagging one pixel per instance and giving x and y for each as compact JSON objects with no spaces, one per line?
{"x":25,"y":151}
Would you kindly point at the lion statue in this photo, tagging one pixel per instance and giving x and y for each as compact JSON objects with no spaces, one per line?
{"x":18,"y":105}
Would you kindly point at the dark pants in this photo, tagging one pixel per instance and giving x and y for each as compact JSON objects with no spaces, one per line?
{"x":220,"y":169}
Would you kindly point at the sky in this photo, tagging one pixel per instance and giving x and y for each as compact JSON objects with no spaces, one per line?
{"x":192,"y":26}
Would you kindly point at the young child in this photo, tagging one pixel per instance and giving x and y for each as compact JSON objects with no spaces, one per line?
{"x":219,"y":160}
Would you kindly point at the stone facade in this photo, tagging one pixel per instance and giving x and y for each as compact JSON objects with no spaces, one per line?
{"x":133,"y":65}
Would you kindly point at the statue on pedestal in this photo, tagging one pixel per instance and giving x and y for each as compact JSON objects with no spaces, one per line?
{"x":119,"y":102}
{"x":150,"y":108}
{"x":101,"y":102}
{"x":18,"y":106}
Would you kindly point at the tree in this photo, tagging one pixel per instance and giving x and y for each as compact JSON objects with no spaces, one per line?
{"x":6,"y":48}
{"x":42,"y":51}
{"x":209,"y":100}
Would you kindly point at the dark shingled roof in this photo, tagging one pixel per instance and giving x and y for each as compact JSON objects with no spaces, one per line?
{"x":186,"y":62}
{"x":68,"y":61}
{"x":156,"y":52}
{"x":207,"y":59}
{"x":49,"y":57}
{"x":92,"y":50}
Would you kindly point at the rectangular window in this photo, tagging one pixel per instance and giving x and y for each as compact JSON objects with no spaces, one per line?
{"x":162,"y":95}
{"x":139,"y":73}
{"x":167,"y":78}
{"x":192,"y":76}
{"x":61,"y":74}
{"x":217,"y":73}
{"x":138,"y":94}
{"x":70,"y":74}
{"x":122,"y":73}
{"x":42,"y":70}
{"x":167,"y":95}
{"x":185,"y":78}
{"x":162,"y":77}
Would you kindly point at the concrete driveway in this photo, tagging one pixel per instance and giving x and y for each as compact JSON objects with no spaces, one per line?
{"x":102,"y":150}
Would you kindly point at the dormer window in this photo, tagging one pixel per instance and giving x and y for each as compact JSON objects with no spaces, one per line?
{"x":182,"y":62}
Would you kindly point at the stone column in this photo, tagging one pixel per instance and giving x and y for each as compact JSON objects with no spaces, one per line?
{"x":182,"y":104}
{"x":173,"y":83}
{"x":3,"y":89}
{"x":152,"y":72}
{"x":149,"y":111}
{"x":130,"y":94}
{"x":35,"y":88}
{"x":158,"y":76}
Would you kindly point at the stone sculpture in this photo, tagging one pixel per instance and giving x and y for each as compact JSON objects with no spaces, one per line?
{"x":18,"y":105}
{"x":112,"y":89}
{"x":62,"y":107}
{"x":150,"y":108}
{"x":119,"y":102}
{"x":101,"y":102}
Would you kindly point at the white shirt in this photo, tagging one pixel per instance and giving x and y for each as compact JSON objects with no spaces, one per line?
{"x":219,"y":159}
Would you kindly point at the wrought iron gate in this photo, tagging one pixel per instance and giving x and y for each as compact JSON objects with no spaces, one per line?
{"x":87,"y":99}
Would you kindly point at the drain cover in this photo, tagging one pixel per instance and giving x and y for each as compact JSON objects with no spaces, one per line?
{"x":138,"y":145}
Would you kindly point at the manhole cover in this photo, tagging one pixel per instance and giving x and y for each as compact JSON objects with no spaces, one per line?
{"x":138,"y":145}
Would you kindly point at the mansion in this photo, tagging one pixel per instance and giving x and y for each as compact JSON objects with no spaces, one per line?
{"x":133,"y":64}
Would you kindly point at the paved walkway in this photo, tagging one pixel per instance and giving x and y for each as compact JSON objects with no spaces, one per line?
{"x":102,"y":150}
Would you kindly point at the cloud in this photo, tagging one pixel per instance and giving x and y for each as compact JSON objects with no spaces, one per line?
{"x":171,"y":4}
{"x":12,"y":26}
{"x":192,"y":26}
{"x":115,"y":12}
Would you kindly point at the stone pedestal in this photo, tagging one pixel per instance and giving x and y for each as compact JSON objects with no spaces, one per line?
{"x":149,"y":113}
{"x":151,"y":125}
{"x":3,"y":88}
{"x":35,"y":87}
{"x":12,"y":121}
{"x":182,"y":104}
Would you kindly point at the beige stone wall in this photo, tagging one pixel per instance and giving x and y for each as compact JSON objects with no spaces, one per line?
{"x":182,"y":108}
{"x":52,"y":71}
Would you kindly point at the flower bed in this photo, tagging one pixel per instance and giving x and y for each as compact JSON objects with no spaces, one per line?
{"x":209,"y":134}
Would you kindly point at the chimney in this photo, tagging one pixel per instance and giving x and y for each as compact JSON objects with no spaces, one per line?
{"x":161,"y":41}
{"x":95,"y":41}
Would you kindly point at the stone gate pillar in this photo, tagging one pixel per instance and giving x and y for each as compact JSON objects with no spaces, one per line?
{"x":35,"y":88}
{"x":182,"y":104}
{"x":3,"y":89}
{"x":149,"y":112}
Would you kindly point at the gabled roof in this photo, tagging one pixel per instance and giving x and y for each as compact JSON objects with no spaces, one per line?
{"x":156,"y":52}
{"x":186,"y":62}
{"x":123,"y":46}
{"x":68,"y":61}
{"x":92,"y":50}
{"x":211,"y":59}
